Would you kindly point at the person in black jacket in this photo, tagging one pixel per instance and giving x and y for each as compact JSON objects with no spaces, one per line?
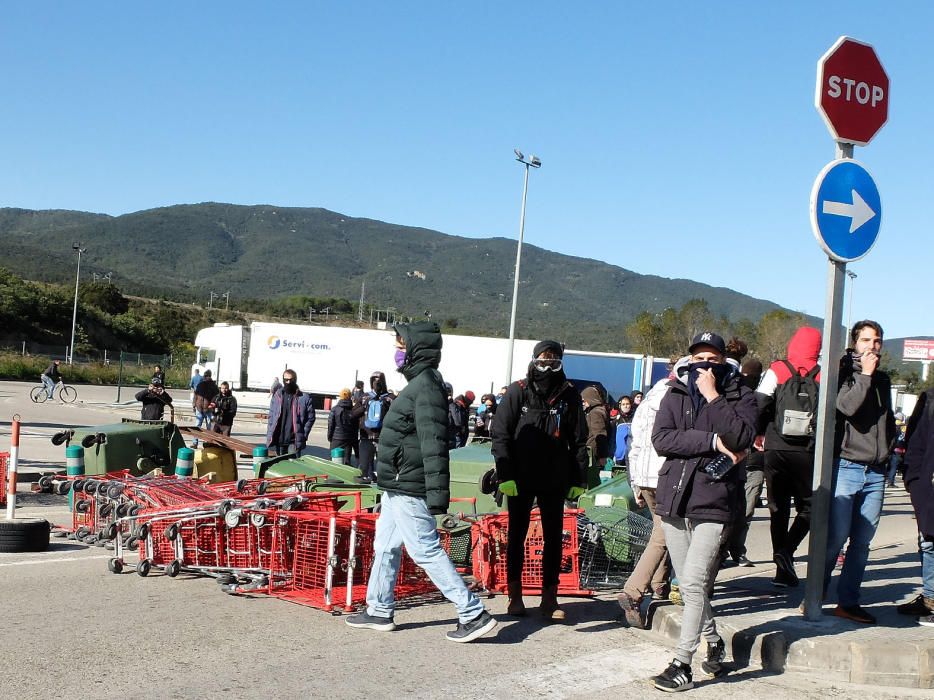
{"x":154,"y":399}
{"x":371,"y":427}
{"x":919,"y":481}
{"x":708,"y":413}
{"x":51,"y":376}
{"x":342,"y":426}
{"x":540,"y":449}
{"x":225,"y":409}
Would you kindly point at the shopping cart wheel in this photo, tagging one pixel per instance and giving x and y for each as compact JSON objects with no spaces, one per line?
{"x":262,"y":487}
{"x":115,"y":565}
{"x":90,"y":539}
{"x":62,"y":488}
{"x":110,"y":531}
{"x":448,"y":522}
{"x":143,"y":531}
{"x":132,"y":543}
{"x":106,"y":509}
{"x":289,"y":503}
{"x":226,"y":579}
{"x":134,"y":509}
{"x":241,"y":484}
{"x":45,"y":483}
{"x":115,"y":490}
{"x":82,"y":506}
{"x":120,"y":510}
{"x":77,"y":485}
{"x":82,"y":531}
{"x":90,"y":486}
{"x":224,"y":507}
{"x":173,"y":569}
{"x":232,"y":517}
{"x":171,"y":532}
{"x":257,"y":519}
{"x":144,"y":567}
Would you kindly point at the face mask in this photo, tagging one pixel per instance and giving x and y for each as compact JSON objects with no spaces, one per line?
{"x":400,"y":357}
{"x":290,"y":386}
{"x":720,"y":371}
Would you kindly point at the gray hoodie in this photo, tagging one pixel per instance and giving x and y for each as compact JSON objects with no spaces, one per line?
{"x":865,"y":423}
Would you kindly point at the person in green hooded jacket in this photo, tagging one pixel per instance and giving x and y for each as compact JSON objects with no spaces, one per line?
{"x":413,"y":473}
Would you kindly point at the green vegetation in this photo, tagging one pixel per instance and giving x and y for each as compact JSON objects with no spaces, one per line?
{"x":284,"y":261}
{"x":28,"y":368}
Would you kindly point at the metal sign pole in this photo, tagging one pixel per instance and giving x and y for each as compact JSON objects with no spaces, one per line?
{"x":826,"y":423}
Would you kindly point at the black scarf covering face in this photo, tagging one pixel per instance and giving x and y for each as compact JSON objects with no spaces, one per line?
{"x":722,"y":373}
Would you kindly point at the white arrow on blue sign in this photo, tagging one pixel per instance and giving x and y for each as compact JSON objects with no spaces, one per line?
{"x":846,"y":210}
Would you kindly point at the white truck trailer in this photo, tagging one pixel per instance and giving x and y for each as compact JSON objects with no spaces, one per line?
{"x":329,"y":358}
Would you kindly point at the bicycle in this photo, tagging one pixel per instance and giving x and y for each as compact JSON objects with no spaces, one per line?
{"x":66,"y":394}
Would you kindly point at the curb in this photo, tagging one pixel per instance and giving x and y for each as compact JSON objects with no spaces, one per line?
{"x":798,"y":650}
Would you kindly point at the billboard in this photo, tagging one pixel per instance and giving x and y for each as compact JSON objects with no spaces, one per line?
{"x":918,"y":350}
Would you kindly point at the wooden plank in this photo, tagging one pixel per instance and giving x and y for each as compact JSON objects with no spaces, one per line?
{"x":211,"y":438}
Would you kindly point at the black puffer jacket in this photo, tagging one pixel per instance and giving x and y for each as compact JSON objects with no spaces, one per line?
{"x":919,"y":463}
{"x":687,"y":441}
{"x":342,"y":424}
{"x":413,"y":444}
{"x":540,"y":442}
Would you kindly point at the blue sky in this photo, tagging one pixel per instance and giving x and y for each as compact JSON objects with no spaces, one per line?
{"x":677,"y":139}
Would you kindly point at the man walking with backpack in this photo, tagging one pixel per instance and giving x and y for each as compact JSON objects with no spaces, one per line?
{"x":540,"y":449}
{"x":371,"y":413}
{"x":787,"y":398}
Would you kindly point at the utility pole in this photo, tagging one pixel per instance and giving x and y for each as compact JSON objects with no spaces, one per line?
{"x":226,"y":296}
{"x":211,"y":299}
{"x":362,"y":301}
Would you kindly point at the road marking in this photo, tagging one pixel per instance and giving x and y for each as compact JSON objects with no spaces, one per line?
{"x":53,"y":561}
{"x":581,"y":675}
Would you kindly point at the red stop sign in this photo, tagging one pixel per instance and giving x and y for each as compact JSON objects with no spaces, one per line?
{"x":852,"y":91}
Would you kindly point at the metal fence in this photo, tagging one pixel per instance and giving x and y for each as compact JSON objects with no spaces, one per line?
{"x":87,"y":356}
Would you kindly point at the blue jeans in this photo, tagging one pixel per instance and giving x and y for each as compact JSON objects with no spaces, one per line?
{"x":894,"y":463}
{"x":405,"y":520}
{"x":49,"y":384}
{"x":927,"y":567}
{"x":203,"y":417}
{"x":854,"y":514}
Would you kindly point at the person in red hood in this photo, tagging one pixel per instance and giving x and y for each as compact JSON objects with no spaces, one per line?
{"x":789,"y":459}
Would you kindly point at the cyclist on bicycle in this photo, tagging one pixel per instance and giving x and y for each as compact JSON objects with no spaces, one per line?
{"x":51,"y":376}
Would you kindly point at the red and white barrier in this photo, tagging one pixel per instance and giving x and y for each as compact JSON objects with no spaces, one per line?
{"x":11,"y":476}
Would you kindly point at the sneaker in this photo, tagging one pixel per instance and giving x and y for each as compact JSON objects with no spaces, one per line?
{"x":926,"y":620}
{"x":364,"y":620}
{"x":469,"y":631}
{"x":631,"y":611}
{"x":716,"y":653}
{"x":675,"y":678}
{"x":855,"y":614}
{"x":917,"y":607}
{"x":743,"y":561}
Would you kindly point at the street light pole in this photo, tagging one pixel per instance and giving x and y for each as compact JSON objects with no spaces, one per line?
{"x":534,"y":162}
{"x":849,"y":314}
{"x":74,"y":315}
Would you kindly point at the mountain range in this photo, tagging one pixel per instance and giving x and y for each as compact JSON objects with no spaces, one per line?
{"x":183,"y":252}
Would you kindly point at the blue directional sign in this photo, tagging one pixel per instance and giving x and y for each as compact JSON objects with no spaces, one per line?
{"x":846,"y":210}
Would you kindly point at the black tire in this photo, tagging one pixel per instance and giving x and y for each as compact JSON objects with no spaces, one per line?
{"x":90,"y":486}
{"x":241,"y":484}
{"x":88,"y":441}
{"x":105,"y":509}
{"x":171,"y":532}
{"x":115,"y":490}
{"x":77,"y":485}
{"x":132,"y":543}
{"x":173,"y":569}
{"x":134,"y":509}
{"x":25,"y":535}
{"x":115,"y":565}
{"x":68,"y":394}
{"x":45,"y":483}
{"x":39,"y":394}
{"x":144,"y":567}
{"x":142,"y":531}
{"x":82,"y":506}
{"x":62,"y":488}
{"x":109,"y":532}
{"x":262,"y":487}
{"x":82,"y":532}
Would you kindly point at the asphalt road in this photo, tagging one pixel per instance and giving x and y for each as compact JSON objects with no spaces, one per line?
{"x":70,"y":629}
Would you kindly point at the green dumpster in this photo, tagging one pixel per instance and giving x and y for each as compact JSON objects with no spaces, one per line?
{"x":139,"y":446}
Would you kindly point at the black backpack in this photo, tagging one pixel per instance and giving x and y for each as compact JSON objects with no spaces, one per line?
{"x":796,"y":406}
